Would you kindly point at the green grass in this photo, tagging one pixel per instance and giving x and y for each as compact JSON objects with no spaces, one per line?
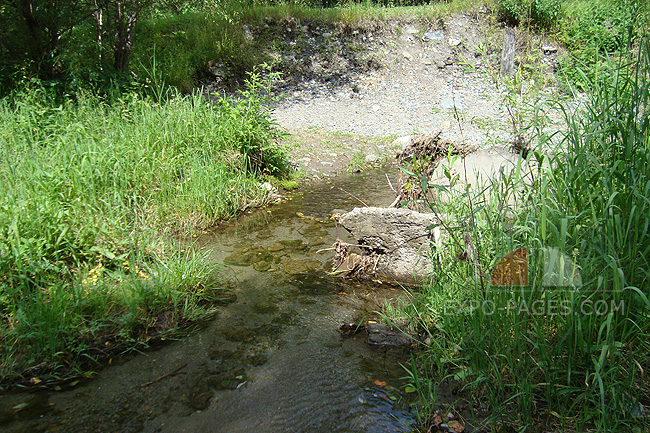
{"x":91,"y":191}
{"x":568,"y":355}
{"x":358,"y":12}
{"x":594,"y":31}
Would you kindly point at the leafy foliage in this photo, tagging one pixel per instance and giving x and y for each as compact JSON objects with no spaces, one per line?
{"x":595,"y":31}
{"x":257,"y":138}
{"x":542,"y":13}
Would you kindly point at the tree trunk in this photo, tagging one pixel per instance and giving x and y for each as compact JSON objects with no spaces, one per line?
{"x":99,"y":20}
{"x":124,"y":33}
{"x":40,"y":47}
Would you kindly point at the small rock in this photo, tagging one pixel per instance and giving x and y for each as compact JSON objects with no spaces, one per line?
{"x":262,"y":266}
{"x":371,"y":158}
{"x":402,"y":142}
{"x":267,"y":186}
{"x":451,"y":103}
{"x":407,"y":55}
{"x":380,"y":334}
{"x":432,"y":36}
{"x":247,"y":33}
{"x":411,"y":30}
{"x":549,"y":49}
{"x":375,"y":107}
{"x":454,"y":42}
{"x":317,"y":68}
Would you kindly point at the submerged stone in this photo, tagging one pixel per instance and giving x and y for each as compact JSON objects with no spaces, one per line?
{"x":301,"y":266}
{"x":262,"y":266}
{"x":380,"y":334}
{"x":247,"y":257}
{"x":295,"y":244}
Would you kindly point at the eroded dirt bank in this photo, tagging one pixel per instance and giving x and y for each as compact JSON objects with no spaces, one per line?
{"x":349,"y":89}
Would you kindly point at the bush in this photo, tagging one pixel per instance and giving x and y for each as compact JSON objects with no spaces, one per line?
{"x":542,"y":13}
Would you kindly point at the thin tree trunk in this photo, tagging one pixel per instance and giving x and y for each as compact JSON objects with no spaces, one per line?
{"x":99,"y":20}
{"x":38,"y":47}
{"x":124,"y":33}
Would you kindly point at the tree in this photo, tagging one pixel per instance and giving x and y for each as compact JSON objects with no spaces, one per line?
{"x":39,"y":25}
{"x":119,"y":18}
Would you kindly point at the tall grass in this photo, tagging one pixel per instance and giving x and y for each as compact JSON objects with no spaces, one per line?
{"x":91,"y":191}
{"x":568,"y":353}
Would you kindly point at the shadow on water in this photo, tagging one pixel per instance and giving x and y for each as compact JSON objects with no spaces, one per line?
{"x":271,"y":361}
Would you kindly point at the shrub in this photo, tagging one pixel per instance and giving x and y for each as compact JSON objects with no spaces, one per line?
{"x":542,"y":13}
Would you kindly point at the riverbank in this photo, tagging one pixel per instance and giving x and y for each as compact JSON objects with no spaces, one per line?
{"x":95,"y":193}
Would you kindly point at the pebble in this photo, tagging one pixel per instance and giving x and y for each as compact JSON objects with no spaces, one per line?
{"x":548,"y":49}
{"x":372,"y":158}
{"x":433,"y":36}
{"x":451,"y":103}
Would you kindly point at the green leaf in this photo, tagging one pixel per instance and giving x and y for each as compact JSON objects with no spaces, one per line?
{"x":441,"y":188}
{"x":103,"y":251}
{"x":408,"y":172}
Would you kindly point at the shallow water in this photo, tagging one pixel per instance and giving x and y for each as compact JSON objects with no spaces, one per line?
{"x":271,"y":361}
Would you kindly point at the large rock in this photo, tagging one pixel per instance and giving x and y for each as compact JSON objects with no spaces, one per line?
{"x":401,"y":241}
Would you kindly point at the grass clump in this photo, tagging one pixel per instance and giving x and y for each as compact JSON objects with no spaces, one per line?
{"x":594,"y":31}
{"x":565,"y":344}
{"x":90,"y":191}
{"x":540,"y":13}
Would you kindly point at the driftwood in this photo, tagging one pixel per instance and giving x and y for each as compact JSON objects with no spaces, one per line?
{"x":430,"y":150}
{"x":144,"y":385}
{"x":347,"y":264}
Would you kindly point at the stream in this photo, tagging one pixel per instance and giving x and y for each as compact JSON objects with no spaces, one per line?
{"x":272,"y":360}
